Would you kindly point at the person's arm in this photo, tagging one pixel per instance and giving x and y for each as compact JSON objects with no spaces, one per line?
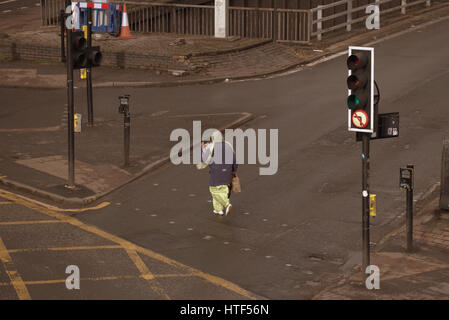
{"x":206,"y":152}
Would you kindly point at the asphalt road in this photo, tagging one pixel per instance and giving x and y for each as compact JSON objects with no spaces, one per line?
{"x":10,"y":6}
{"x":19,"y":15}
{"x":291,"y":233}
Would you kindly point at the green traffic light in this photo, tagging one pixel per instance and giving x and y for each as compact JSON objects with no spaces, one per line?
{"x":353,"y":101}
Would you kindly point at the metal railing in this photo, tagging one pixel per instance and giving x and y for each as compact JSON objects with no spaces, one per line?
{"x":317,"y":24}
{"x":283,"y":25}
{"x":171,"y":18}
{"x":287,"y":24}
{"x":293,"y":25}
{"x":50,"y":10}
{"x":250,"y":22}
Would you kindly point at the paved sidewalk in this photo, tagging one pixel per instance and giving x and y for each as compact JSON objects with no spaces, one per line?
{"x":422,"y":274}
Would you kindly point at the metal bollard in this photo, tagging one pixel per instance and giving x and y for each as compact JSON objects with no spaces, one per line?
{"x":406,"y":182}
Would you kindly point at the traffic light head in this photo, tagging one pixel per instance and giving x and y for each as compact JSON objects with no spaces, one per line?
{"x":78,"y":47}
{"x":82,"y":56}
{"x":360,"y":88}
{"x":94,"y":57}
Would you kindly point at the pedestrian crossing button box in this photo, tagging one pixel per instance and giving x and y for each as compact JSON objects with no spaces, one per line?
{"x":124,"y":104}
{"x":406,"y":178}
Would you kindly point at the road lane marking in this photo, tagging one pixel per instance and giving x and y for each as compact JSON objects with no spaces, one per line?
{"x":125,"y":244}
{"x":44,"y":282}
{"x":8,"y":1}
{"x":53,"y":208}
{"x":45,"y":129}
{"x":16,"y":279}
{"x":65,"y":248}
{"x":147,"y":274}
{"x":12,"y":223}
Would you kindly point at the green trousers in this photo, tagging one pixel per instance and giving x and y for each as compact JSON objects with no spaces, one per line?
{"x":219,"y":196}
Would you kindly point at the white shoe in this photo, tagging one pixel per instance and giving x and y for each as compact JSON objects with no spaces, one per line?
{"x":228,"y":209}
{"x":219,"y":212}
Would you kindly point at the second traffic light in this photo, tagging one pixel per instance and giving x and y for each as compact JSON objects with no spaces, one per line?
{"x":360,"y":82}
{"x":82,"y":56}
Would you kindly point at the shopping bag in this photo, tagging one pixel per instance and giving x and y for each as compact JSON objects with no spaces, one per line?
{"x":236,"y":187}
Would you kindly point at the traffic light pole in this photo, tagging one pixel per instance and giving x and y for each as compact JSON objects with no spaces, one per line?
{"x":63,"y":28}
{"x":90,"y":108}
{"x":70,"y":111}
{"x":365,"y":201}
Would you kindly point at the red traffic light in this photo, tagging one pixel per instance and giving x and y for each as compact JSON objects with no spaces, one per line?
{"x":357,"y":61}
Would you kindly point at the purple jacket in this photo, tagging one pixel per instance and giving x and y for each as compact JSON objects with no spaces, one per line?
{"x":222,"y":164}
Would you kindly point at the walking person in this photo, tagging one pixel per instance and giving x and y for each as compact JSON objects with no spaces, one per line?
{"x":220,"y":157}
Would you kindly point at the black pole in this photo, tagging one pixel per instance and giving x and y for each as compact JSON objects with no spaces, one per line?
{"x":409,"y":212}
{"x":62,"y":25}
{"x":127,"y":129}
{"x":70,"y":111}
{"x":365,"y":201}
{"x":90,"y":107}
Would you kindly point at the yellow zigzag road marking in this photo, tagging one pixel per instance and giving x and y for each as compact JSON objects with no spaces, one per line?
{"x":35,"y":205}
